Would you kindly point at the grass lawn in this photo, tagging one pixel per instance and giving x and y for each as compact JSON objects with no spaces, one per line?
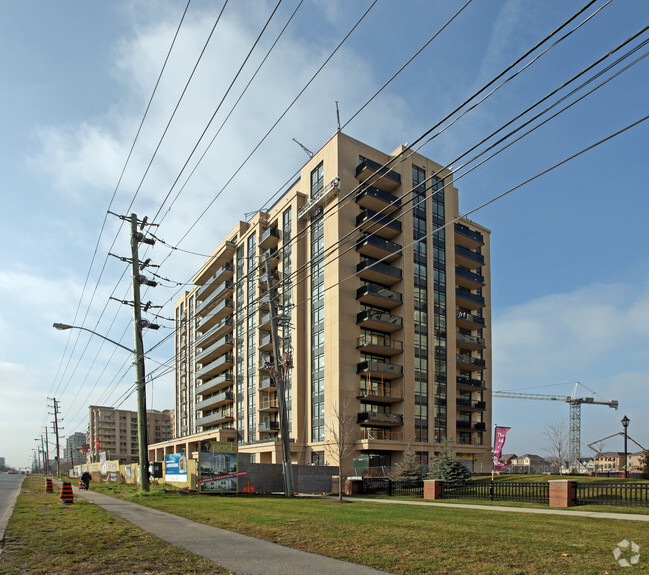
{"x":44,"y":537}
{"x":413,"y":539}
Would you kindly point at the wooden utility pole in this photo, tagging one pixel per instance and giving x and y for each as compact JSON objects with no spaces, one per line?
{"x":278,"y":373}
{"x":55,"y":405}
{"x":136,"y":237}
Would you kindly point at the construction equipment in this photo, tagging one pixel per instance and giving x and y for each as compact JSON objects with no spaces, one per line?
{"x":575,"y":413}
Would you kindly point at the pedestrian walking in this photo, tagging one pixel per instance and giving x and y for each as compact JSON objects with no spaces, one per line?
{"x":86,"y":478}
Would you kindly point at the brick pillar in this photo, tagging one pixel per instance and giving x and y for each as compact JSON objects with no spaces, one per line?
{"x":563,"y":493}
{"x":432,"y":489}
{"x":352,"y":486}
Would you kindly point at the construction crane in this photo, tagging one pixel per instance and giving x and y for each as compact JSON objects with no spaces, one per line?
{"x":575,"y":413}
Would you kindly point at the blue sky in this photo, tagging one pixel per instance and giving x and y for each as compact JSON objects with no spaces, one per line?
{"x":569,"y":267}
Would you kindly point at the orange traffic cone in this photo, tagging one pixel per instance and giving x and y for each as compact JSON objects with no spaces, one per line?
{"x":67,"y":498}
{"x":49,"y":485}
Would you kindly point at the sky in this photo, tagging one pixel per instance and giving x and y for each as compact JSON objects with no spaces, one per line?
{"x":570,"y":274}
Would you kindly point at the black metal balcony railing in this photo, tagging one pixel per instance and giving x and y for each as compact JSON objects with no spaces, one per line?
{"x":470,"y":403}
{"x":381,"y":317}
{"x":378,"y":176}
{"x":469,"y":255}
{"x":471,"y":361}
{"x":379,"y":368}
{"x":469,"y":276}
{"x":378,"y":342}
{"x":471,"y":340}
{"x":372,"y":269}
{"x":468,"y":296}
{"x":380,"y":418}
{"x":466,"y":381}
{"x":464,"y":316}
{"x":371,"y":292}
{"x":373,"y":197}
{"x":469,"y":233}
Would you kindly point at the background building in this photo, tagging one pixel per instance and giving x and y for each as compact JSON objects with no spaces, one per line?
{"x":114,"y":431}
{"x":74,"y":449}
{"x":384,"y":311}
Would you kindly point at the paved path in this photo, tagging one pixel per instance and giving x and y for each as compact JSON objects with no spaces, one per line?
{"x":240,"y":554}
{"x":9,"y":489}
{"x":566,"y":512}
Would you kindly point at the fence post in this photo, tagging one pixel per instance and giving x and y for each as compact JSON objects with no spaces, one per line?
{"x":563,"y":493}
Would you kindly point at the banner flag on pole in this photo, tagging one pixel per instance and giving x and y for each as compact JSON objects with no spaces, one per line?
{"x":499,"y":442}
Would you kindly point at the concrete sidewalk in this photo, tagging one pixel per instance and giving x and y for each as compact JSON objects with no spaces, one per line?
{"x":239,"y":553}
{"x":565,"y":512}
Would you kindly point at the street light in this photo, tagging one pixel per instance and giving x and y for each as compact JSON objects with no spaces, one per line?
{"x":625,"y":424}
{"x":141,"y":391}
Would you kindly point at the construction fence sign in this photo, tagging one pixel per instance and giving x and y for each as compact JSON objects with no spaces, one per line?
{"x":218,"y":467}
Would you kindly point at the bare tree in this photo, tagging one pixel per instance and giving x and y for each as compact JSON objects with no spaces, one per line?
{"x":342,"y":438}
{"x":557,"y":442}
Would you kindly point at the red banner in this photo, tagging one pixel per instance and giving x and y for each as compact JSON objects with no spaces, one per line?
{"x":499,"y":442}
{"x":228,"y":476}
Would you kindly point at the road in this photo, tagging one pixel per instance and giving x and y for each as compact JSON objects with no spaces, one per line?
{"x":9,"y":490}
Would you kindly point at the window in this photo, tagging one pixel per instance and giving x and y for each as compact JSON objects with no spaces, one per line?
{"x":317,"y":180}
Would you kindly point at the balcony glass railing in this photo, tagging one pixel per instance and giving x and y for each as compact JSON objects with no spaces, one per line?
{"x":469,"y":233}
{"x":379,"y":316}
{"x":468,"y":296}
{"x":374,"y":167}
{"x":380,"y":418}
{"x":371,"y":266}
{"x":379,"y":340}
{"x":469,"y":254}
{"x":370,"y":216}
{"x":379,"y":367}
{"x":380,"y":292}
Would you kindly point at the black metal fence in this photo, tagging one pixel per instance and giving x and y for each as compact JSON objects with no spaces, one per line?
{"x":538,"y":492}
{"x":385,"y":486}
{"x":633,"y":494}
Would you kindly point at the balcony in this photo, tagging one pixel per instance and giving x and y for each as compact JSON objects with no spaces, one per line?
{"x":220,"y":292}
{"x":468,"y":300}
{"x":379,"y":393}
{"x":265,"y":341}
{"x":225,"y":272}
{"x":463,"y":403}
{"x":216,"y":418}
{"x":377,"y":200}
{"x":264,"y":319}
{"x":466,"y":341}
{"x":467,"y":382}
{"x":269,"y":238}
{"x":217,"y":366}
{"x":469,"y":321}
{"x":470,"y":363}
{"x":272,"y":254}
{"x":269,"y":426}
{"x":226,"y":325}
{"x":383,"y":226}
{"x":373,"y":173}
{"x":474,"y":426}
{"x":378,"y":248}
{"x":468,"y":238}
{"x":219,"y":347}
{"x":468,"y":279}
{"x":379,"y":320}
{"x":371,"y":270}
{"x":377,"y":295}
{"x":219,"y":312}
{"x":268,"y":405}
{"x":379,"y":369}
{"x":381,"y":344}
{"x":266,"y":383}
{"x":217,"y":400}
{"x":264,"y":301}
{"x":263,"y":278}
{"x":387,"y":419}
{"x":379,"y":434}
{"x":468,"y":258}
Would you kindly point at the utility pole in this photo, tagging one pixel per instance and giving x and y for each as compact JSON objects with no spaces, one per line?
{"x":46,"y":452}
{"x":55,"y":405}
{"x":138,"y":324}
{"x":278,"y":373}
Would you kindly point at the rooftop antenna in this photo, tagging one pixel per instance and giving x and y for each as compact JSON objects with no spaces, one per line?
{"x":338,"y":115}
{"x":308,"y":152}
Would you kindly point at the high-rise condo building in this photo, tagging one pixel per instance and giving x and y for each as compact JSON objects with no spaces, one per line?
{"x":382,"y":299}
